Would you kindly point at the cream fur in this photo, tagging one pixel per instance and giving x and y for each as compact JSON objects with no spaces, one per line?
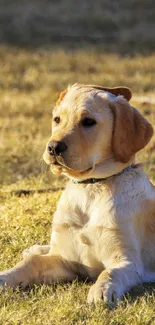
{"x":103,"y":231}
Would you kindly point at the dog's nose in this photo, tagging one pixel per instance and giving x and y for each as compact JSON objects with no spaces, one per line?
{"x":56,"y":147}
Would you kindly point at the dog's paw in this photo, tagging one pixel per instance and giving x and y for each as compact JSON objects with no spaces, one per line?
{"x":33,"y":250}
{"x":104,"y":291}
{"x":12,"y":278}
{"x":4,"y":277}
{"x":2,"y":281}
{"x":36,"y":250}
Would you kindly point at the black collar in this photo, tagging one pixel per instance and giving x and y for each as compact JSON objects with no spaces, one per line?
{"x":96,"y":180}
{"x":90,"y":181}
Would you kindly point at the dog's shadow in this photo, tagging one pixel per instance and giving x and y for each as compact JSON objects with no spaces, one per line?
{"x":140,"y":291}
{"x":145,"y":290}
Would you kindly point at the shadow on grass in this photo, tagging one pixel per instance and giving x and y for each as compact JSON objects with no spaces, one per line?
{"x":139,"y":292}
{"x":129,"y":298}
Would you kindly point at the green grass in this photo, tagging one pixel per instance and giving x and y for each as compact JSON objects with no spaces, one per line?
{"x":30,"y":81}
{"x":64,"y":304}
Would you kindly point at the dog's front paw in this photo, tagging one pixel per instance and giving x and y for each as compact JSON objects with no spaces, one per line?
{"x":36,"y":250}
{"x":4,"y":279}
{"x":33,"y":250}
{"x":104,"y":291}
{"x":12,"y":278}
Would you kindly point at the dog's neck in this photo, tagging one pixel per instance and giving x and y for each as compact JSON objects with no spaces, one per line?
{"x":102,"y":171}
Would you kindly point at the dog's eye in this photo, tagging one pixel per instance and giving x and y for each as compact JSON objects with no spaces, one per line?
{"x":57,"y":119}
{"x":88,"y":122}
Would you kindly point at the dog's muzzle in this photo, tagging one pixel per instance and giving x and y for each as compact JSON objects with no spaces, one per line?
{"x":56,"y":148}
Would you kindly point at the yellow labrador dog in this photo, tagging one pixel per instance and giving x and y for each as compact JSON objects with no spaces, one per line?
{"x":104,"y":225}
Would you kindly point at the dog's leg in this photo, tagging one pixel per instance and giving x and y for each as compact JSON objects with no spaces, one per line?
{"x":36,"y":250}
{"x":112,"y":284}
{"x":37,"y":269}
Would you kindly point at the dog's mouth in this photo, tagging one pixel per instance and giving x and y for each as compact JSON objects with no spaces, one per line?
{"x":58,"y":166}
{"x":60,"y":163}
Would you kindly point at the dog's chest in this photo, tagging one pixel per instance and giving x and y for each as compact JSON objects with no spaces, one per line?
{"x":84,"y":206}
{"x":79,"y":227}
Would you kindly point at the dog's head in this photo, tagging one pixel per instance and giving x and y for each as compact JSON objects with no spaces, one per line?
{"x":92,"y":124}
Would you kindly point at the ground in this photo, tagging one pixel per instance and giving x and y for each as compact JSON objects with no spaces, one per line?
{"x":30,"y":81}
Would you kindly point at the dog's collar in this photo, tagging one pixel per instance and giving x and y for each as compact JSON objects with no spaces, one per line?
{"x":96,"y":180}
{"x":89,"y":181}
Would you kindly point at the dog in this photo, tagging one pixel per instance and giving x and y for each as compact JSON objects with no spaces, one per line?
{"x":104,"y":225}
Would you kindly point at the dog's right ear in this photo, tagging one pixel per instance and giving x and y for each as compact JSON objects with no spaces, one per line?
{"x":61,"y":96}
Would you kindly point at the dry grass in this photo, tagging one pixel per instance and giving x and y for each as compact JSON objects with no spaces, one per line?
{"x":30,"y":82}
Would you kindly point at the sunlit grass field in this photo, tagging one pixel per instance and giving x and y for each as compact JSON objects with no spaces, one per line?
{"x":30,"y":82}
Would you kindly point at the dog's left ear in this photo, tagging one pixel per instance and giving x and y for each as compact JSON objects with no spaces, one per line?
{"x":117,"y":91}
{"x":131,"y":131}
{"x":123,"y":91}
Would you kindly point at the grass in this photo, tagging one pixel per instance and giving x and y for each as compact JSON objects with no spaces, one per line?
{"x":30,"y":81}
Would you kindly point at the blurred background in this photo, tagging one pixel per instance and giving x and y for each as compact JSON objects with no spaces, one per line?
{"x":117,"y":26}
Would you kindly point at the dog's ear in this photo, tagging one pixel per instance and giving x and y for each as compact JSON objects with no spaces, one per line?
{"x":124,"y":91}
{"x":61,"y":96}
{"x":131,"y":130}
